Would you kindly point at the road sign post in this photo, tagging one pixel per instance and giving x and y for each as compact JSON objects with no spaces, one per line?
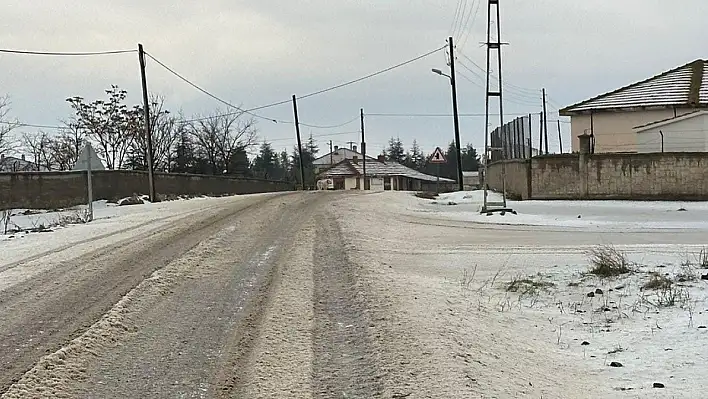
{"x":437,"y":158}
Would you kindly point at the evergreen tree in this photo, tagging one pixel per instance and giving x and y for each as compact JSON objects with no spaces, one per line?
{"x":395,"y":151}
{"x":470,"y":159}
{"x":185,"y":160}
{"x":265,"y":165}
{"x":239,"y":164}
{"x":311,"y":146}
{"x":449,"y":169}
{"x":415,"y":159}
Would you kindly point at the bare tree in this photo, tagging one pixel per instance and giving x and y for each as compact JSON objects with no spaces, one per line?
{"x":220,"y":136}
{"x":39,"y":145}
{"x":165,"y":130}
{"x":65,"y":147}
{"x":6,"y":127}
{"x":110,"y":123}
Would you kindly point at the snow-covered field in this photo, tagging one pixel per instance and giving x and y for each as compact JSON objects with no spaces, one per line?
{"x":506,"y":306}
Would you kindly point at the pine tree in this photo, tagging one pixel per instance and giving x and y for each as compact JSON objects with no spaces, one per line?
{"x":265,"y":164}
{"x":470,"y":159}
{"x":415,"y":158}
{"x":239,"y":164}
{"x":184,"y":161}
{"x":395,"y":151}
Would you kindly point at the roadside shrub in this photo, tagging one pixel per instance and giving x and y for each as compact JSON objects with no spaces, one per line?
{"x":657,"y":282}
{"x":608,"y":262}
{"x":527,"y":285}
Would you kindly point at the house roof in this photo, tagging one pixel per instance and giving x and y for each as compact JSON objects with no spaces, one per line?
{"x":324,"y":157}
{"x":669,"y":121}
{"x":13,"y":164}
{"x":685,"y":86}
{"x":377,"y":168}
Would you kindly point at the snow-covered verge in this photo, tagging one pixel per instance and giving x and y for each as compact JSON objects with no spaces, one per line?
{"x":35,"y":232}
{"x":488,"y":310}
{"x":597,"y":215}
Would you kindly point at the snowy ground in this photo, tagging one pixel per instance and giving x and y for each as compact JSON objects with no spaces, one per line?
{"x":596,"y":215}
{"x":501,"y":305}
{"x":32,"y":233}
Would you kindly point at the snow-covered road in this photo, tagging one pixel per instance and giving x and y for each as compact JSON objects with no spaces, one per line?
{"x":343,"y":294}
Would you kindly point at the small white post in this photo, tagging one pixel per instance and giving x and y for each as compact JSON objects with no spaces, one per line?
{"x":90,"y":183}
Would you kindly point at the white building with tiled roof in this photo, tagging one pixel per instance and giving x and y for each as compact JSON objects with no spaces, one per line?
{"x":611,"y":118}
{"x":380,"y":175}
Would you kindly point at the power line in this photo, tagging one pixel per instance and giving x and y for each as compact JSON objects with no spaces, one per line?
{"x":461,"y":27}
{"x":313,"y":136}
{"x":250,"y":110}
{"x":228,"y":104}
{"x":339,"y":86}
{"x":454,"y":20}
{"x":67,"y":54}
{"x":469,"y":30}
{"x":403,"y":115}
{"x":518,"y":88}
{"x":38,"y":126}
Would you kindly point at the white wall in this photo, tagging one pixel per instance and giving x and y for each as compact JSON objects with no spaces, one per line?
{"x":688,"y":135}
{"x":350,"y":183}
{"x":376,"y":184}
{"x":614,"y":131}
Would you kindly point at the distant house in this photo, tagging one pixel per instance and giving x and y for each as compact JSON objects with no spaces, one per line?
{"x":337,"y":156}
{"x":381,"y":175}
{"x":611,"y":118}
{"x":686,"y":133}
{"x":13,"y":164}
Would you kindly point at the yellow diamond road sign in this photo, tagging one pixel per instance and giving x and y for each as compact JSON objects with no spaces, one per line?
{"x":438,"y":156}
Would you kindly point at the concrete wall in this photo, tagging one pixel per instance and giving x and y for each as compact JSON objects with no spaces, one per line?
{"x":614,"y":131}
{"x":656,"y":176}
{"x":517,"y":177}
{"x":43,"y":190}
{"x":687,"y":135}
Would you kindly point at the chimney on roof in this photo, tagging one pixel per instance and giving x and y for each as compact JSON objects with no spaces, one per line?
{"x":354,"y":148}
{"x":23,"y":157}
{"x":382,"y":158}
{"x":336,"y":148}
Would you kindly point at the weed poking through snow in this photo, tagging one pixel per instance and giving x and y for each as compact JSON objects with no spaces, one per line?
{"x":609,"y":262}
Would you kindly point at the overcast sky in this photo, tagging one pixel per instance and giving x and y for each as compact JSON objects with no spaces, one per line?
{"x":253,"y":53}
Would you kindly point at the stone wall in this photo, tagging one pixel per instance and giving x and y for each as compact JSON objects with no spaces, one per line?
{"x":42,"y":190}
{"x":655,"y":176}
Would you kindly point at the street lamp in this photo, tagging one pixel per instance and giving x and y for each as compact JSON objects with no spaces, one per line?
{"x":451,"y":76}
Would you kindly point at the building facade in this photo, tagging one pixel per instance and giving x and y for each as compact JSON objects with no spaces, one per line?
{"x":612,"y":118}
{"x":381,"y":175}
{"x":686,"y":133}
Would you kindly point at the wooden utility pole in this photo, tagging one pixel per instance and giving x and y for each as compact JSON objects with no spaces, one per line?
{"x":299,"y":143}
{"x":148,"y":133}
{"x":453,"y":81}
{"x":331,"y":154}
{"x":545,"y":120}
{"x":363,"y":149}
{"x":560,"y":137}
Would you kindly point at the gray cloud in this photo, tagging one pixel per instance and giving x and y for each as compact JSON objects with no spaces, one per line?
{"x":257,"y":52}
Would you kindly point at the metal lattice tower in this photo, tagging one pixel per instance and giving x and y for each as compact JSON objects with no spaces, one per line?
{"x":494,"y":45}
